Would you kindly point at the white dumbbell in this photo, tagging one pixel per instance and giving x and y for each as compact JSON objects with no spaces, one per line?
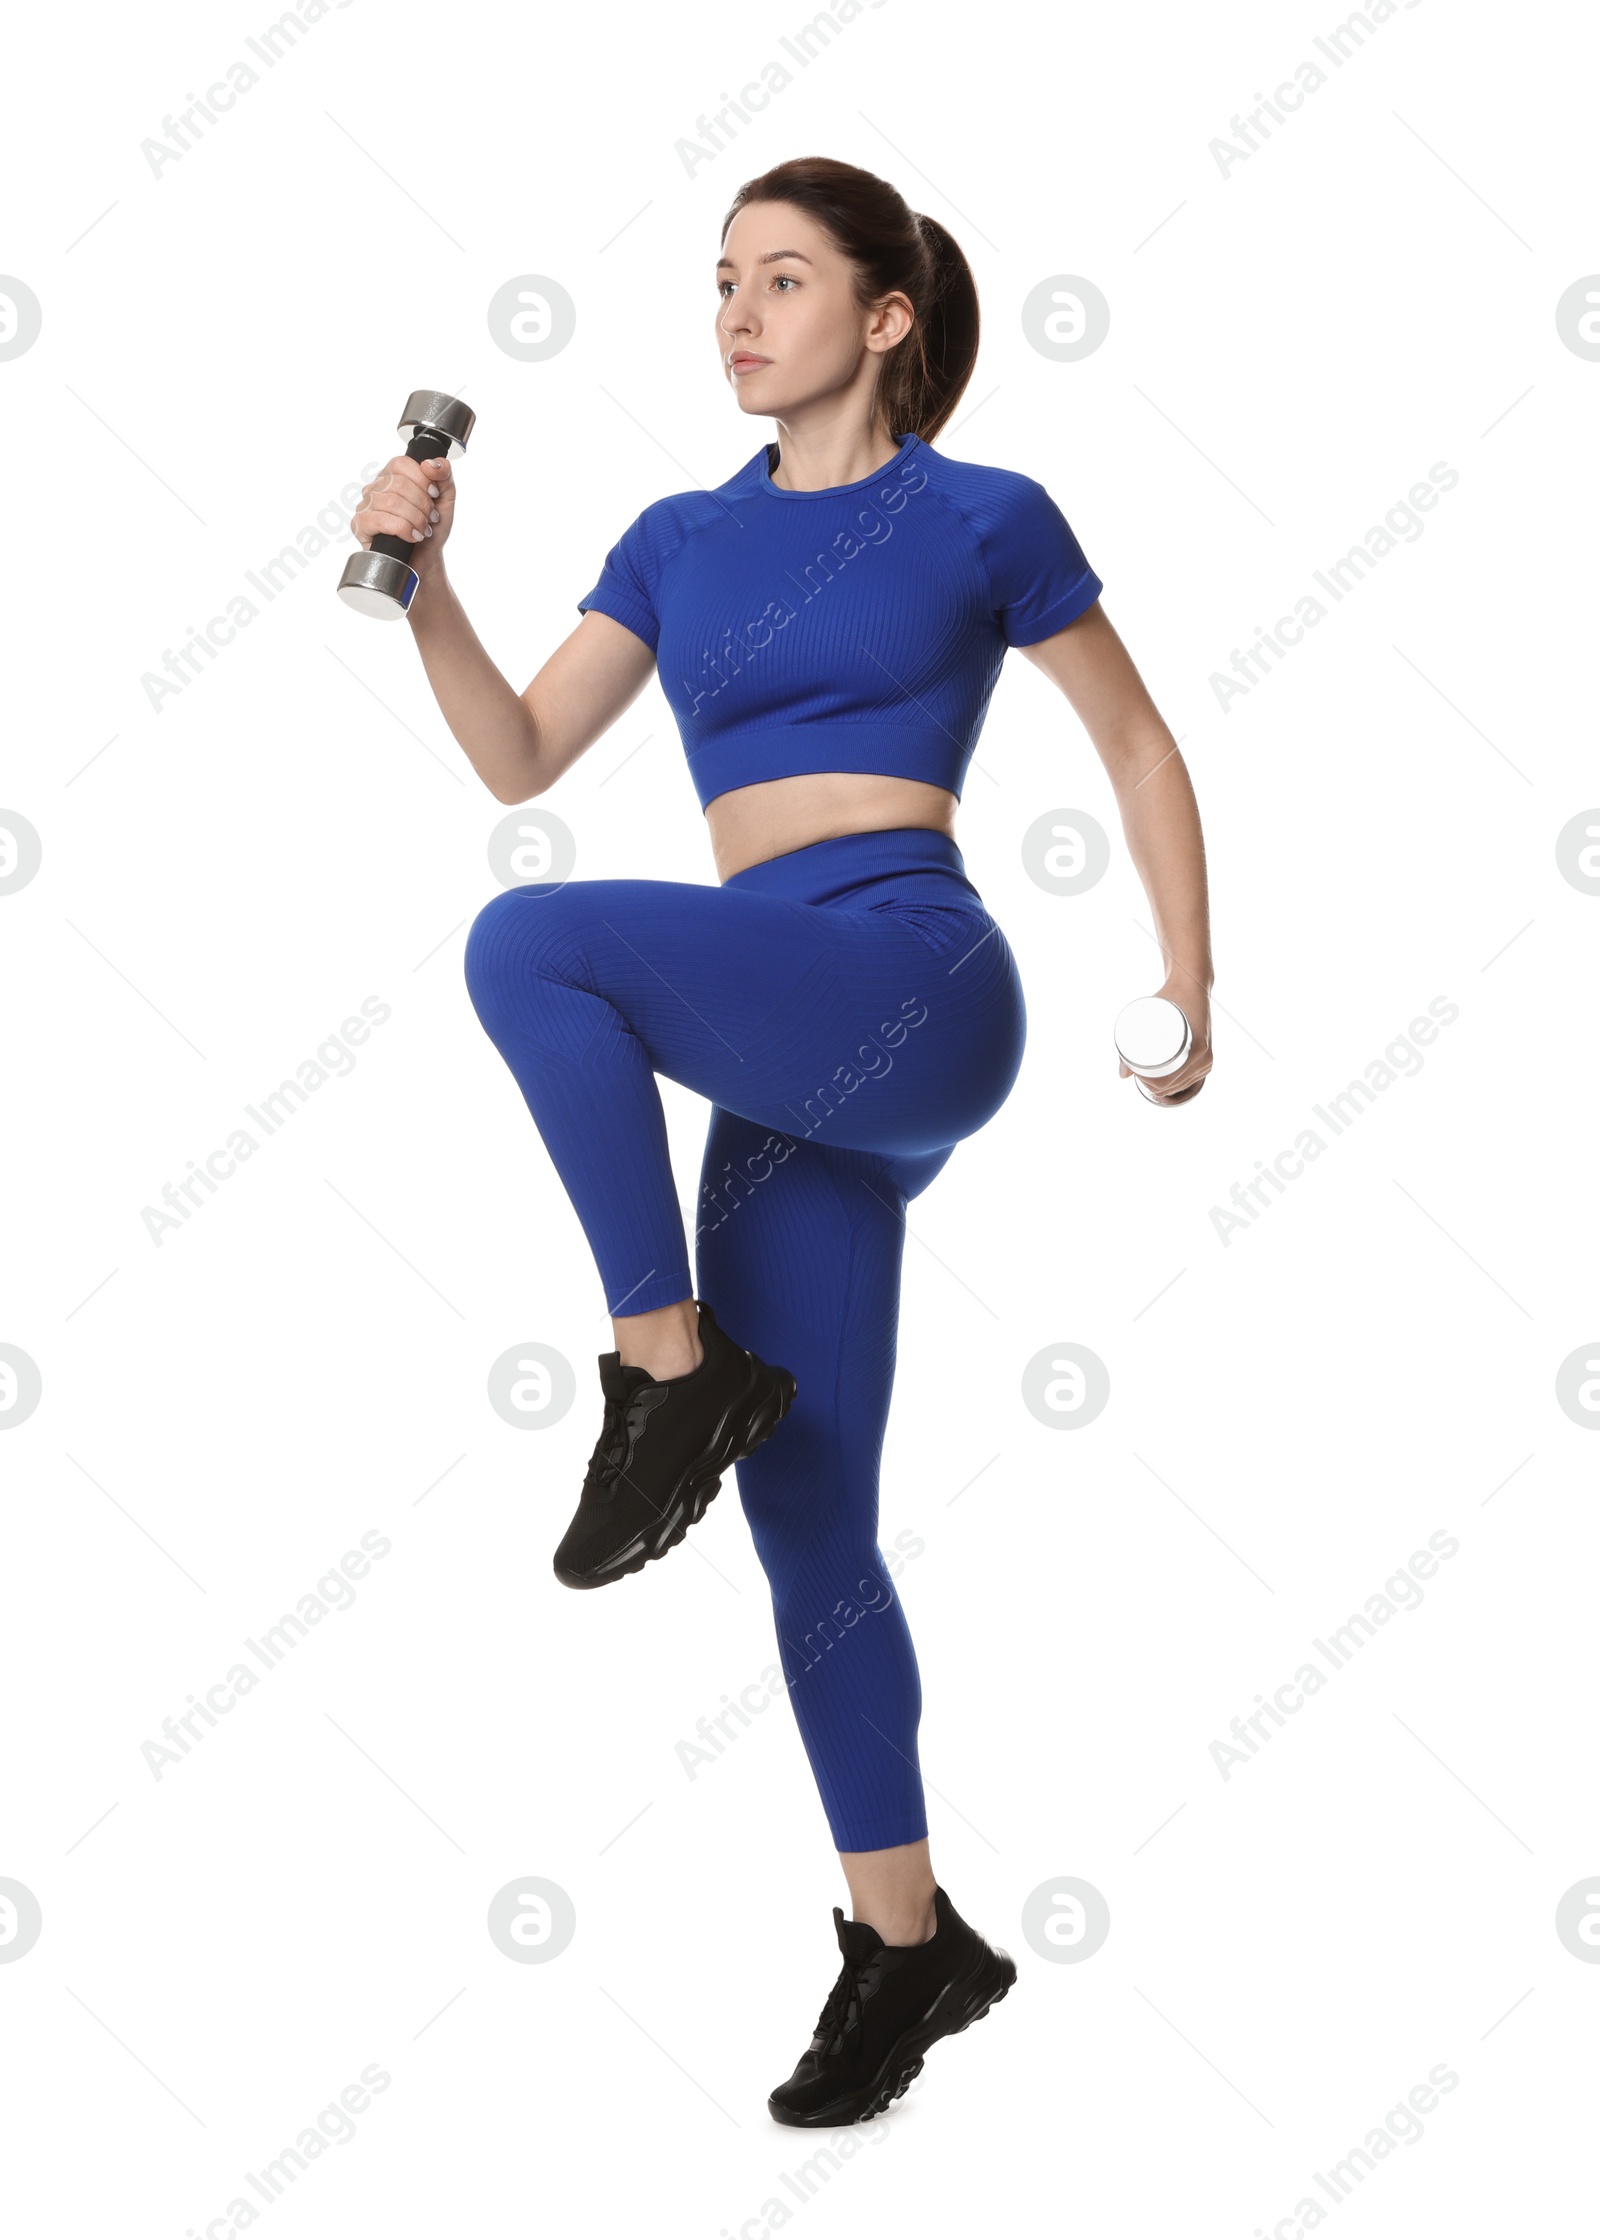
{"x":1153,"y":1040}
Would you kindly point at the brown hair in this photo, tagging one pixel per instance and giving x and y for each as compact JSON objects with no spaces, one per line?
{"x":893,"y":248}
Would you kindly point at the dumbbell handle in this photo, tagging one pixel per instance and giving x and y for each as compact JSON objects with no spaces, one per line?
{"x":427,"y":443}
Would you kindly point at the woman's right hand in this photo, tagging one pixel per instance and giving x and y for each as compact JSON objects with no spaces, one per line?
{"x":414,"y":499}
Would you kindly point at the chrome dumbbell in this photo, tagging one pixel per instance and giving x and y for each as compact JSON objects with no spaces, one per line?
{"x":382,"y":581}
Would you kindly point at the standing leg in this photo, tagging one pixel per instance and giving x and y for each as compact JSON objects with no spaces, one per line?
{"x":803,"y":1255}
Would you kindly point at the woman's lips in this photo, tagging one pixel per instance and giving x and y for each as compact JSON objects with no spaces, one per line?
{"x":745,"y":361}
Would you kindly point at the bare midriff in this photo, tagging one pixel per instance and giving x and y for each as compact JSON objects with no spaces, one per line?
{"x":750,"y":823}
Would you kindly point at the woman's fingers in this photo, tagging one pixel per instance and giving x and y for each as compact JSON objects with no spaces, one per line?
{"x":381,"y":520}
{"x":411,"y":499}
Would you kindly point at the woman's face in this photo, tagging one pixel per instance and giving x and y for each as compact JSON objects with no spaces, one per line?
{"x":788,"y":328}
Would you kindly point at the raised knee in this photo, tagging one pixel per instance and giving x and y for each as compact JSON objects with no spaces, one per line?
{"x":516,"y":937}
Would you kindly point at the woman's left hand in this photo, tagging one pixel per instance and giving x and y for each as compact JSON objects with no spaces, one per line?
{"x":1187,"y":1082}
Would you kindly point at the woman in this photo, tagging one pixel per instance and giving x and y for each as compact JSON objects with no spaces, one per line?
{"x":828,"y":626}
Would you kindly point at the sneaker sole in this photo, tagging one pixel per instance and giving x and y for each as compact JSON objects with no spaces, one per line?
{"x":961,"y":2003}
{"x":698,"y":1488}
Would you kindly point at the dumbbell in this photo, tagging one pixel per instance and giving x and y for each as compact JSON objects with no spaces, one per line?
{"x":1153,"y":1040}
{"x":382,"y":581}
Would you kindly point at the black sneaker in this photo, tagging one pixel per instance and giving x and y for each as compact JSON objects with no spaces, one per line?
{"x":889,"y":2005}
{"x":661,"y":1453}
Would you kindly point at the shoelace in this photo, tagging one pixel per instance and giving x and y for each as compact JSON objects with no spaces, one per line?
{"x":620,"y":1427}
{"x":841,"y":2012}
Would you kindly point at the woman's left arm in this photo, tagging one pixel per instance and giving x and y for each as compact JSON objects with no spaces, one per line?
{"x":1160,"y":818}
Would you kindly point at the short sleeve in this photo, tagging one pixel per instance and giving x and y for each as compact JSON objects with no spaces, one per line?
{"x":626,"y":589}
{"x":1038,"y":575}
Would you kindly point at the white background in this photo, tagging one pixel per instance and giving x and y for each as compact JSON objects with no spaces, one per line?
{"x":1373,"y":1360}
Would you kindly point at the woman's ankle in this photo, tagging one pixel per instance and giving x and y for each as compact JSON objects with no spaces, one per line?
{"x":665,"y":1341}
{"x":903,"y":1924}
{"x":892,"y":1890}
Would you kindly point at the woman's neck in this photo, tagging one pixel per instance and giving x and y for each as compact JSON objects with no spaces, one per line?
{"x":823,"y":459}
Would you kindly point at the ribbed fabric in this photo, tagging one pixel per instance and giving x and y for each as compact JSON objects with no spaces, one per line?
{"x":861,"y":627}
{"x":852,"y":1012}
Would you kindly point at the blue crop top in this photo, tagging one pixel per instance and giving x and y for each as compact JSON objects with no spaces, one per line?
{"x":856,"y":628}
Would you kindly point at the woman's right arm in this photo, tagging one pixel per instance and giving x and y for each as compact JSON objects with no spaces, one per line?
{"x":519,"y":744}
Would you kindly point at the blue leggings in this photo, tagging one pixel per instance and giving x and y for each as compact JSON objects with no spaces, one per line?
{"x":851,"y":1011}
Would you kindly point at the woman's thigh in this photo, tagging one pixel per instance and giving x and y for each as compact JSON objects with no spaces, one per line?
{"x":884,"y":1027}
